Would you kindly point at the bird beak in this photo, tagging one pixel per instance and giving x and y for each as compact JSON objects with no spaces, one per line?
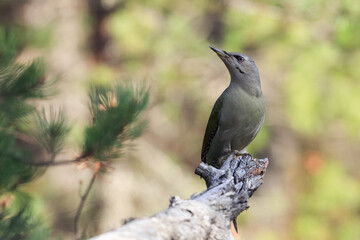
{"x":219,"y":52}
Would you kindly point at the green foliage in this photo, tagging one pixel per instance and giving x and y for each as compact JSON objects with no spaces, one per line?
{"x":50,"y":133}
{"x":312,"y":69}
{"x":263,"y":29}
{"x":133,"y":28}
{"x":25,"y":133}
{"x":115,"y":119}
{"x":22,"y":224}
{"x":8,"y":44}
{"x":18,"y":83}
{"x":23,"y":81}
{"x":326,"y":210}
{"x":13,"y":170}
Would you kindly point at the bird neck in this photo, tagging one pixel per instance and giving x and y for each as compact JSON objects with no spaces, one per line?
{"x":247,"y":85}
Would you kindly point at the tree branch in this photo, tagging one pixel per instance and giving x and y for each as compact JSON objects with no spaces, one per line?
{"x":204,"y":216}
{"x":81,"y":206}
{"x":55,"y":163}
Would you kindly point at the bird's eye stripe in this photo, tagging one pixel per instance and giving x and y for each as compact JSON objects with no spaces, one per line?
{"x":239,"y":58}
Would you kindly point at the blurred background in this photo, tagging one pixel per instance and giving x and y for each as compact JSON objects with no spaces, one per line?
{"x":308,"y":55}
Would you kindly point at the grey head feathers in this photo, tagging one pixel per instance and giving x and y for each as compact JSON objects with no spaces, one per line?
{"x":242,"y":69}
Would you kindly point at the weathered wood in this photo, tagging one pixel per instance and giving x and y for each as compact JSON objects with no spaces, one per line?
{"x":206,"y":215}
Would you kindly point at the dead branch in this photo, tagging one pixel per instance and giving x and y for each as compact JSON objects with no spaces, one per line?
{"x":204,"y":216}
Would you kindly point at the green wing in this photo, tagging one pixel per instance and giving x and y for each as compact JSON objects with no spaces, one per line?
{"x":212,"y":127}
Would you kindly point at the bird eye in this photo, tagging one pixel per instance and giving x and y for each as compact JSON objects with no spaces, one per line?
{"x":239,"y":58}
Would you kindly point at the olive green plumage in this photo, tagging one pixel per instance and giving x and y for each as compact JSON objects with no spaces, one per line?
{"x":238,"y":113}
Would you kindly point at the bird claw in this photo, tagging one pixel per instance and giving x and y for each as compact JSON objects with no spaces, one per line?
{"x":241,"y":153}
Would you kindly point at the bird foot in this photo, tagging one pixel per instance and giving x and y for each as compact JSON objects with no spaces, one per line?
{"x":236,"y":152}
{"x":241,"y":153}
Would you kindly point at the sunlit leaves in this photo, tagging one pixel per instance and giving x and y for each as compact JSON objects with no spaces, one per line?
{"x":326,"y":204}
{"x":307,"y":88}
{"x":133,"y":29}
{"x":347,"y":32}
{"x":239,"y":35}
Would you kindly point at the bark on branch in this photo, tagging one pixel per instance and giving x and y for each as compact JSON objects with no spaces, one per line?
{"x":206,"y":215}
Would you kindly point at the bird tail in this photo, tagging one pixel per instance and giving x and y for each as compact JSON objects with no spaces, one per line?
{"x":235,"y":225}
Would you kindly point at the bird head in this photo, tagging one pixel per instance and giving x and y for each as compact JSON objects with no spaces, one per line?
{"x":241,"y":67}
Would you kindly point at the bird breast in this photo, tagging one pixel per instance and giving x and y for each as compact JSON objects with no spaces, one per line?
{"x":241,"y":117}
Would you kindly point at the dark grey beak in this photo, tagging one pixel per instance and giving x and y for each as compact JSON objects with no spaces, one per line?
{"x":219,"y":52}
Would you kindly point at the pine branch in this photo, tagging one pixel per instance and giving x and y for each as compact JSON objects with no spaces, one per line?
{"x":50,"y":132}
{"x":116,"y":119}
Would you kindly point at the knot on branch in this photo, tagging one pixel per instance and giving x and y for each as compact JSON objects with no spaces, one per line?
{"x":174,"y":200}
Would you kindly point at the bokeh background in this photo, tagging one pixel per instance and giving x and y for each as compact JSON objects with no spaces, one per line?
{"x":308,"y":55}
